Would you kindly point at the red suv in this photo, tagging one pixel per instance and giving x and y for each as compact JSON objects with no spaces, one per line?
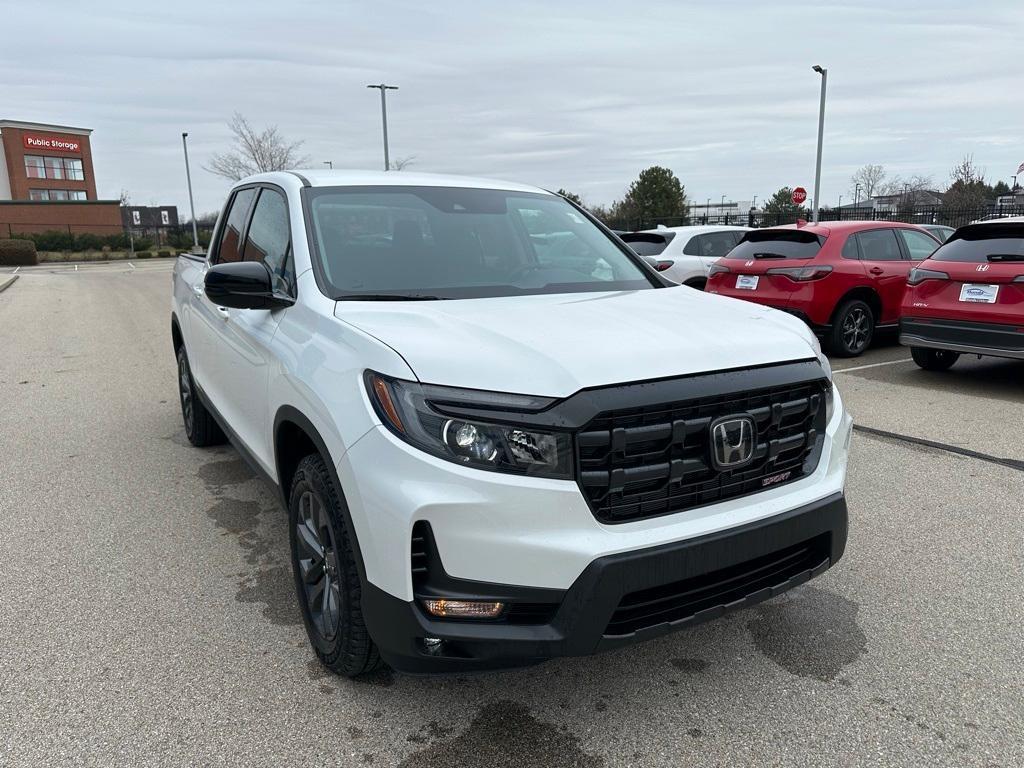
{"x":843,"y":278}
{"x":968,"y":297}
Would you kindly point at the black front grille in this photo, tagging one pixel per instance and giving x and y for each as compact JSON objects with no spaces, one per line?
{"x":635,"y":463}
{"x":420,"y":552}
{"x":729,"y":587}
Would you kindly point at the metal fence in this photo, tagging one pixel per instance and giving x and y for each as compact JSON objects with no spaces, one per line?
{"x":910,"y":214}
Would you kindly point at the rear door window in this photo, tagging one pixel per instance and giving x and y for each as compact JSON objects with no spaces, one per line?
{"x":269,"y":239}
{"x":850,"y":249}
{"x":712,"y":245}
{"x":919,"y":245}
{"x":230,"y":245}
{"x":984,"y":242}
{"x":648,"y":243}
{"x":778,"y":244}
{"x":879,"y":245}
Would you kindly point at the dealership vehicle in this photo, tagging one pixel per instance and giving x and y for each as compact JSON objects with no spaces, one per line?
{"x":939,"y":231}
{"x":488,"y":454}
{"x":968,"y":297}
{"x":843,"y":278}
{"x":685,"y":254}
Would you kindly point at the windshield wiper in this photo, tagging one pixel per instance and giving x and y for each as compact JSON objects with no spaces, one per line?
{"x":769,"y":255}
{"x":1005,"y":257}
{"x":390,"y":297}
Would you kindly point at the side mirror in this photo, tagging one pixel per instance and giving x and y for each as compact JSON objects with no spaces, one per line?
{"x":243,"y":285}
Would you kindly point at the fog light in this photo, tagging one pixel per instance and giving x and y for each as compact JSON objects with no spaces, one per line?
{"x":463,"y":609}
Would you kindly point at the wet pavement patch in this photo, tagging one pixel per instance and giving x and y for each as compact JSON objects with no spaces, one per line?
{"x":811,"y":632}
{"x":505,"y":734}
{"x":691,"y":666}
{"x":220,"y":474}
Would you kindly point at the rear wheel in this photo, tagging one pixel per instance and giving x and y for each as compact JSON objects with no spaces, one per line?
{"x":201,"y":428}
{"x":852,"y":329}
{"x":698,"y":283}
{"x":326,"y":579}
{"x":934,"y":359}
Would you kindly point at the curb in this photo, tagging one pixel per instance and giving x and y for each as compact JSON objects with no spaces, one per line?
{"x":7,"y":283}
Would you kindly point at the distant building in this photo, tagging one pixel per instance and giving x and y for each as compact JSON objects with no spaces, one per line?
{"x":148,"y":217}
{"x":47,"y":181}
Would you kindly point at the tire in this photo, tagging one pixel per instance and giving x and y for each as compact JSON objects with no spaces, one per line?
{"x":934,"y":359}
{"x":324,"y":565}
{"x":853,"y":327}
{"x":697,"y":284}
{"x":201,"y":428}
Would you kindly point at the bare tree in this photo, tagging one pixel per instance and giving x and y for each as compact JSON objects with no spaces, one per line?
{"x":870,"y":178}
{"x":966,"y":172}
{"x":257,"y":152}
{"x":401,"y":163}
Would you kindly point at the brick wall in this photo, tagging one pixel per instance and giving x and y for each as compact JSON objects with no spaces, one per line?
{"x":100,"y":217}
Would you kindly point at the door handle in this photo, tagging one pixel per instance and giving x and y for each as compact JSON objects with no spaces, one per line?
{"x":223,"y":312}
{"x":876,"y":271}
{"x":197,"y":289}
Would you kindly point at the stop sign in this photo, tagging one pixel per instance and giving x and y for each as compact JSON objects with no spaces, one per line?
{"x":799,"y":195}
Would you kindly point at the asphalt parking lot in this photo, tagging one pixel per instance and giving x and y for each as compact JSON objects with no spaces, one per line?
{"x":148,"y":614}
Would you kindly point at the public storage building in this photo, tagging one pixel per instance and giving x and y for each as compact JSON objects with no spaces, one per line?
{"x":47,"y":182}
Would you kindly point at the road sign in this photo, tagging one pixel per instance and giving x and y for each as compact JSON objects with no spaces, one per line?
{"x":799,"y":195}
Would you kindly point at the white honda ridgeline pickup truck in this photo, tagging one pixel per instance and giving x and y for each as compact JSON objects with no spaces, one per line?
{"x":500,"y":435}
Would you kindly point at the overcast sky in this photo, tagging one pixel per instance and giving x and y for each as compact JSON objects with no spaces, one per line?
{"x":581,"y":95}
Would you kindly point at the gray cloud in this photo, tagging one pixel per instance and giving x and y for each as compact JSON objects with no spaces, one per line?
{"x":580,"y":95}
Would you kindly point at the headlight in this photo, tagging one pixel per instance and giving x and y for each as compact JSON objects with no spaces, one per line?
{"x":435,"y":419}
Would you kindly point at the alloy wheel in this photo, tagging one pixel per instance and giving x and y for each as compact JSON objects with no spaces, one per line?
{"x":185,"y":391}
{"x":318,"y":564}
{"x":856,"y":329}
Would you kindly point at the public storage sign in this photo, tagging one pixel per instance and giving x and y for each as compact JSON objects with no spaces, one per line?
{"x":52,"y":143}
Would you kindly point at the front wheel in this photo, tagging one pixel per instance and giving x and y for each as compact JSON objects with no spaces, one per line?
{"x":201,"y":428}
{"x":326,"y":578}
{"x":852,"y":329}
{"x":934,"y":359}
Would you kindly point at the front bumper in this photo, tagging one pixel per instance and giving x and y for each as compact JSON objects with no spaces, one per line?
{"x":968,"y":337}
{"x":621,"y":598}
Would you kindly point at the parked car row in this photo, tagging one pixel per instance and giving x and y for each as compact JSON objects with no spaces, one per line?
{"x":949,"y":291}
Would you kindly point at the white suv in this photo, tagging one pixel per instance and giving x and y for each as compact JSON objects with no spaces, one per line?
{"x":488,"y":452}
{"x":685,"y":254}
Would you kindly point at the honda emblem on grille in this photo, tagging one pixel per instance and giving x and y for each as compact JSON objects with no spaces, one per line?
{"x":732,"y":442}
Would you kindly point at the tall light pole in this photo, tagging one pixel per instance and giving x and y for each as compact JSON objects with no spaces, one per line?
{"x":856,"y":196}
{"x":384,"y":118}
{"x":707,"y":212}
{"x":329,"y":164}
{"x":191,"y":203}
{"x":754,"y":203}
{"x":821,"y":136}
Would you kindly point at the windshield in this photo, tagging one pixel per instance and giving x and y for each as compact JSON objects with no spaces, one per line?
{"x":777,"y":244}
{"x":985,"y":242}
{"x":647,"y":243}
{"x":454,"y":243}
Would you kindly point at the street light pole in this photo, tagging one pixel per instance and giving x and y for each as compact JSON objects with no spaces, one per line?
{"x":384,"y":118}
{"x":191,"y":203}
{"x":329,"y":164}
{"x":707,"y":212}
{"x":856,"y":197}
{"x":821,"y":136}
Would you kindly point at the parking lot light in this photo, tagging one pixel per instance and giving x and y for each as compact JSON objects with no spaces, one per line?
{"x":191,"y":204}
{"x":821,"y":132}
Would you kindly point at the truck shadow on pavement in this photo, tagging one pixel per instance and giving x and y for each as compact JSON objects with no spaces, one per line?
{"x":542,"y":715}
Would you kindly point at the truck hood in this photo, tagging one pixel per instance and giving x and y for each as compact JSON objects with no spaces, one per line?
{"x":557,"y":344}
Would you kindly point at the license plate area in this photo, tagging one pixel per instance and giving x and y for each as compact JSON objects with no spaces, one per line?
{"x":976,"y":293}
{"x":747,"y":282}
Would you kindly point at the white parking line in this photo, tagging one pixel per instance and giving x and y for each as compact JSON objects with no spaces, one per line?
{"x":76,"y":267}
{"x":131,"y":265}
{"x":872,"y":365}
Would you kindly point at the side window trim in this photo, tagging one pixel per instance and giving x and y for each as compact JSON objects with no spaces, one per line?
{"x":244,"y":233}
{"x":290,"y":252}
